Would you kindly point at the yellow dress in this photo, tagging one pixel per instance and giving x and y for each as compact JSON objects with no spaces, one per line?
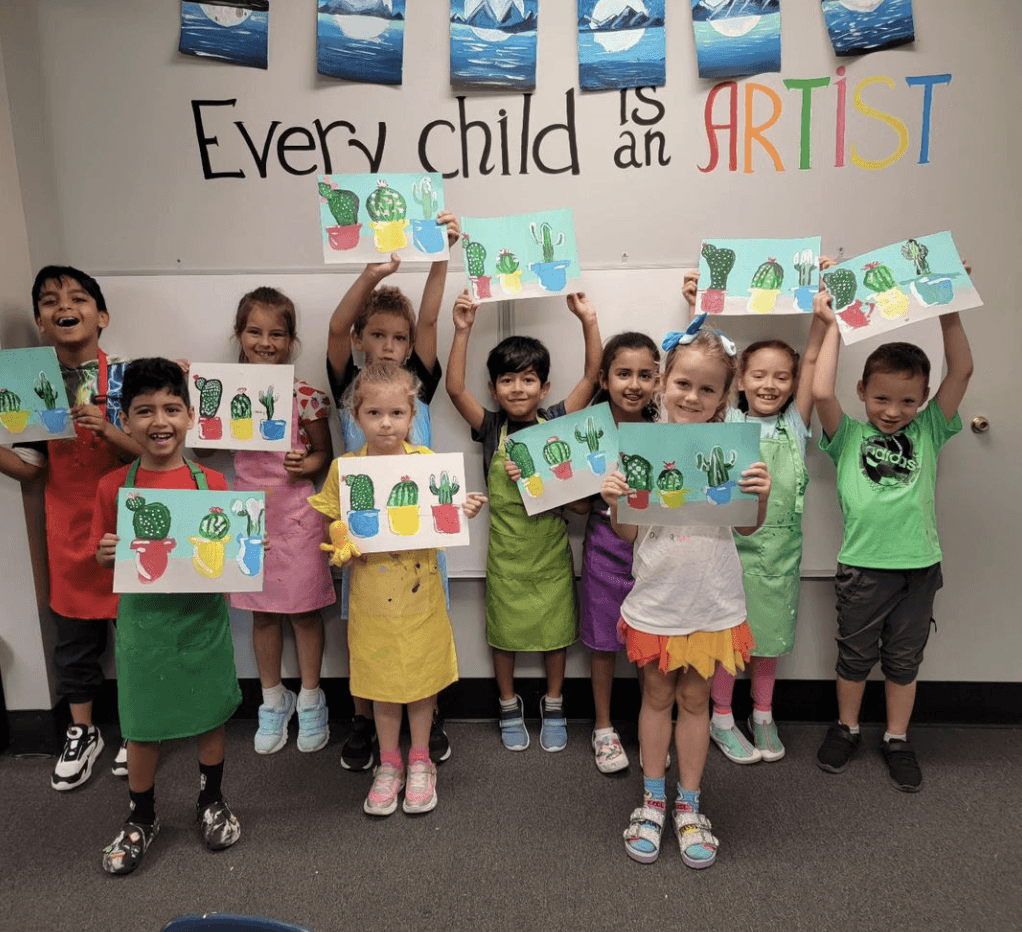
{"x":400,"y":641}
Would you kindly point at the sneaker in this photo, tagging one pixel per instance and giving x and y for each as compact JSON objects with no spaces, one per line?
{"x":902,"y":766}
{"x":219,"y":826}
{"x":125,"y":852}
{"x":767,"y":742}
{"x":357,"y":752}
{"x":420,"y":793}
{"x":82,"y":746}
{"x":120,"y":765}
{"x":272,"y":733}
{"x":553,"y":733}
{"x":610,"y":755}
{"x":513,"y":732}
{"x":313,"y":729}
{"x":439,"y":743}
{"x":387,"y":783}
{"x":837,"y":750}
{"x":734,"y":744}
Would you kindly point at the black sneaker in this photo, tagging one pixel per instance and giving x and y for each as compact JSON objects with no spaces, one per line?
{"x":82,"y":747}
{"x":218,"y":825}
{"x":902,"y":766}
{"x":439,"y":743}
{"x":357,"y":753}
{"x":837,"y":750}
{"x":125,"y":852}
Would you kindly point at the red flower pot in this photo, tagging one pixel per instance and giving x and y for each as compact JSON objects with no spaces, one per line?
{"x":712,"y":301}
{"x":447,"y":519}
{"x":562,"y":470}
{"x":639,"y":499}
{"x":151,"y":557}
{"x":342,"y":238}
{"x":211,"y":428}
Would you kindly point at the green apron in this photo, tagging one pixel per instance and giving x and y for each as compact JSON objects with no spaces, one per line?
{"x":772,"y":555}
{"x":175,"y":659}
{"x":530,"y":586}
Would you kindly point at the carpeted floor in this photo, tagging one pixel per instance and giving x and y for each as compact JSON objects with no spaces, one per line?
{"x":533,"y":841}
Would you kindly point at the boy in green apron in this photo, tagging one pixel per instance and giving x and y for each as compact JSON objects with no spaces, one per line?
{"x":530,"y":591}
{"x":175,"y":655}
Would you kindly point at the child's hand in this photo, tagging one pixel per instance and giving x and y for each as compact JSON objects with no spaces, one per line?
{"x":825,"y":262}
{"x":106,"y":550}
{"x":294,"y":462}
{"x":90,"y":417}
{"x":579,"y":305}
{"x":464,"y":311}
{"x":967,"y":265}
{"x":185,"y":365}
{"x":690,"y":288}
{"x":756,"y":481}
{"x":473,"y":503}
{"x":512,"y":470}
{"x":453,"y":227}
{"x":823,"y":306}
{"x":382,"y":269}
{"x":265,"y":542}
{"x":614,"y":486}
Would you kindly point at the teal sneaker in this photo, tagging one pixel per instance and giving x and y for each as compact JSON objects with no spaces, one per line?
{"x":767,"y":742}
{"x":553,"y":733}
{"x":272,"y":733}
{"x":313,"y":730}
{"x":734,"y":744}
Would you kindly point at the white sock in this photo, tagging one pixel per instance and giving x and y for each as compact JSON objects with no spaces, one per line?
{"x":309,"y":698}
{"x":724,"y":721}
{"x":554,"y":705}
{"x":762,"y":718}
{"x":273,"y":698}
{"x":889,"y":737}
{"x":852,"y":729}
{"x":603,"y":732}
{"x":509,"y":705}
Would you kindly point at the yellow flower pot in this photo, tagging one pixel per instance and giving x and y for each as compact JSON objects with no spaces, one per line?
{"x":208,"y":556}
{"x":512,"y":283}
{"x":404,"y":519}
{"x":763,"y":300}
{"x":241,"y":429}
{"x":674,"y":498}
{"x":893,"y":303}
{"x":534,"y":486}
{"x":15,"y":421}
{"x":390,"y":235}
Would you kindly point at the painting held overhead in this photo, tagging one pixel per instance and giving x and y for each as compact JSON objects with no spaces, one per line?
{"x":235,"y":31}
{"x":33,"y":400}
{"x":493,"y":43}
{"x":621,"y":43}
{"x":735,"y":38}
{"x":361,"y":40}
{"x":860,"y":26}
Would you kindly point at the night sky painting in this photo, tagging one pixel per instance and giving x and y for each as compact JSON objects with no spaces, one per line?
{"x":735,"y":38}
{"x":860,"y":26}
{"x":621,"y":43}
{"x":229,"y":31}
{"x":361,"y":40}
{"x":493,"y":43}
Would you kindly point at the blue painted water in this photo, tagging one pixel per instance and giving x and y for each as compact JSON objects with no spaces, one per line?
{"x":373,"y":61}
{"x":758,"y":51}
{"x":642,"y":65}
{"x":244,"y":44}
{"x":511,"y":63}
{"x":852,"y":33}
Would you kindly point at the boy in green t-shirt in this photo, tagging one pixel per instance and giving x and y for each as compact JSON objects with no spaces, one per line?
{"x":889,"y":563}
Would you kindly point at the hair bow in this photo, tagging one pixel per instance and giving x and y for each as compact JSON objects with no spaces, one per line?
{"x":676,"y":337}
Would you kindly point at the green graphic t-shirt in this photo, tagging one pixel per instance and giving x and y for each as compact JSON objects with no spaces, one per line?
{"x":886,"y":486}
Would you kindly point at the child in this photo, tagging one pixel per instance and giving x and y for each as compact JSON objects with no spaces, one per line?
{"x":400,"y":642}
{"x":380,"y":322}
{"x":175,"y":656}
{"x":297,"y":581}
{"x":629,"y":373}
{"x":889,"y":563}
{"x":686,"y":611}
{"x":530,"y":592}
{"x":71,"y":313}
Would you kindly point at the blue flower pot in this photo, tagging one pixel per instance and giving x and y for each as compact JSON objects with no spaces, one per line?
{"x":597,"y":462}
{"x":804,"y":297}
{"x":934,"y":289}
{"x":720,"y":494}
{"x":428,"y":236}
{"x":273,"y":430}
{"x":553,"y":276}
{"x":364,"y":523}
{"x":250,"y":554}
{"x":54,"y":420}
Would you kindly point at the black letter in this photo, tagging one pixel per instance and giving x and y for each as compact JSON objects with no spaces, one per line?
{"x":484,"y":167}
{"x":283,"y":147}
{"x":652,"y":134}
{"x":569,"y":126}
{"x":328,"y":165}
{"x":206,"y":141}
{"x":629,"y":149}
{"x":660,"y":110}
{"x":259,"y":160}
{"x":423,"y":138}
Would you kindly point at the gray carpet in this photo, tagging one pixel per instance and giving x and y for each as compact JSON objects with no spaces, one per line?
{"x":533,"y":841}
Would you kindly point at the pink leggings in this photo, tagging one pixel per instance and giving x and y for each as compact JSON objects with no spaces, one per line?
{"x":764,"y":673}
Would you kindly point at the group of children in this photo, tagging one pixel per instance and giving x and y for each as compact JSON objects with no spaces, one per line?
{"x":690,"y":606}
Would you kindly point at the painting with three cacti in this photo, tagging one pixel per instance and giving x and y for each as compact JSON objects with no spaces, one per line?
{"x":365,"y":217}
{"x":33,"y":400}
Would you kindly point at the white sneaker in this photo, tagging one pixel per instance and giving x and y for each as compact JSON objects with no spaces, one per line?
{"x":83,"y":745}
{"x":120,"y":765}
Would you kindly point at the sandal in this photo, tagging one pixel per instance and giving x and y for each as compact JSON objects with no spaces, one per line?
{"x":644,"y":824}
{"x":125,"y":852}
{"x":693,"y":830}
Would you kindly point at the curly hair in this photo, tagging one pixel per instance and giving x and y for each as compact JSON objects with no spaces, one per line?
{"x":386,"y":299}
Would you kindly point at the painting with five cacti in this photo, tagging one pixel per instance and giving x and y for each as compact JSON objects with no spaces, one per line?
{"x":366,"y":217}
{"x":181,"y":540}
{"x":33,"y":401}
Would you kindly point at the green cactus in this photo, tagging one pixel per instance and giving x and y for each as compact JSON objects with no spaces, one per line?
{"x":768,"y":276}
{"x":916,"y":253}
{"x":717,"y":469}
{"x":424,"y":195}
{"x":150,"y":522}
{"x":878,"y":278}
{"x":267,"y":400}
{"x":9,"y":401}
{"x":638,"y":472}
{"x":720,"y":261}
{"x":507,"y":262}
{"x":404,"y":493}
{"x":842,"y":285}
{"x":241,"y":406}
{"x":45,"y":390}
{"x":446,"y":490}
{"x":475,"y":257}
{"x":591,"y":436}
{"x":216,"y":525}
{"x":520,"y":456}
{"x":805,"y":263}
{"x":363,"y":495}
{"x":210,"y":392}
{"x":341,"y":203}
{"x":386,"y":204}
{"x":671,"y":479}
{"x":556,"y":451}
{"x":544,"y":239}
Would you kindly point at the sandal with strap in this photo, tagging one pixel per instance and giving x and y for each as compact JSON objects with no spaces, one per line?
{"x":644,"y":824}
{"x":693,"y":829}
{"x":125,"y":852}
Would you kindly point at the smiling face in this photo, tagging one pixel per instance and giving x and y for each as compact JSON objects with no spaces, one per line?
{"x":265,"y":338}
{"x":630,"y":382}
{"x":892,"y":399}
{"x":385,"y":413}
{"x":695,"y":387}
{"x":386,"y":337}
{"x":519,"y":394}
{"x":69,"y":319}
{"x":158,"y":422}
{"x":768,"y":381}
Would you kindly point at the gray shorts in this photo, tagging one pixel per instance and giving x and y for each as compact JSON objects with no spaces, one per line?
{"x":884,"y":615}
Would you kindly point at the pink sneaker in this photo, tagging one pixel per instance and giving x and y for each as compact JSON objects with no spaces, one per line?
{"x":387,"y":783}
{"x":421,"y":793}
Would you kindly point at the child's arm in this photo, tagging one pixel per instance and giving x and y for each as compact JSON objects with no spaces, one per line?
{"x":583,"y":393}
{"x":92,"y":417}
{"x":614,"y":486}
{"x":689,"y":290}
{"x":14,"y":466}
{"x":311,"y":462}
{"x":338,"y":345}
{"x":465,"y":402}
{"x":825,"y":376}
{"x":756,"y":481}
{"x":433,"y":296}
{"x":807,"y":371}
{"x":106,"y":550}
{"x":959,"y":365}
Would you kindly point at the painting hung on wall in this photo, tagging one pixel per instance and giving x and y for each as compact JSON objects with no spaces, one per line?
{"x":687,"y":473}
{"x":33,"y":401}
{"x":521,"y":256}
{"x":361,"y":40}
{"x":493,"y":43}
{"x":899,"y":284}
{"x":229,"y":30}
{"x":366,"y":217}
{"x":239,"y":406}
{"x":860,"y":26}
{"x":758,"y":276}
{"x":182,"y":540}
{"x":737,"y":37}
{"x":621,"y":43}
{"x":565,"y":459}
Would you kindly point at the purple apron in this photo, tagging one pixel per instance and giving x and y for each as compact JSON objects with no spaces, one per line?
{"x":606,"y":580}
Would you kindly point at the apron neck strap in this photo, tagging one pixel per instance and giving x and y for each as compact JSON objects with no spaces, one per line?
{"x":103,"y":381}
{"x":198,"y":475}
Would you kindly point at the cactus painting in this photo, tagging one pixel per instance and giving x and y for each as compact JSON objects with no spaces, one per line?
{"x":552,"y":273}
{"x":509,"y":272}
{"x":718,"y":468}
{"x":151,"y":545}
{"x":639,"y":475}
{"x":446,"y":515}
{"x":33,"y":401}
{"x":558,"y":454}
{"x":427,"y":235}
{"x":209,"y":547}
{"x":343,"y":207}
{"x":271,"y":428}
{"x":227,"y":395}
{"x":250,"y":544}
{"x":475,"y":267}
{"x":671,"y":485}
{"x":805,"y":264}
{"x":387,"y":211}
{"x":403,"y":507}
{"x":53,"y":418}
{"x":518,"y":453}
{"x":590,"y":435}
{"x":765,"y":287}
{"x":210,"y":392}
{"x":364,"y":516}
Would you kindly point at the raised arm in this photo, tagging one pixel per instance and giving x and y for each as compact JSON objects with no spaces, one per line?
{"x":465,"y":402}
{"x":825,"y":376}
{"x":689,"y":290}
{"x":433,"y":296}
{"x":959,"y":365}
{"x":583,"y":393}
{"x":338,"y":345}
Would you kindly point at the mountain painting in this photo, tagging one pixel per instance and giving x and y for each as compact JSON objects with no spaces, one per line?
{"x":621,"y":43}
{"x":226,"y":30}
{"x":860,"y":26}
{"x":493,"y":43}
{"x":361,"y":40}
{"x":736,"y":38}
